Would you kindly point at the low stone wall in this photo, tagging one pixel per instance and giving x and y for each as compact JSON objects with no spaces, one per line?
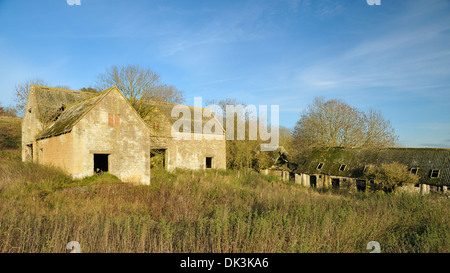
{"x":283,"y":175}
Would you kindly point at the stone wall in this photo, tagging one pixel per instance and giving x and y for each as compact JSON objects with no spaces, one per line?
{"x":415,"y":189}
{"x":56,"y":151}
{"x":326,"y":181}
{"x":31,"y":126}
{"x":283,"y":175}
{"x":113,"y":127}
{"x":191,"y":154}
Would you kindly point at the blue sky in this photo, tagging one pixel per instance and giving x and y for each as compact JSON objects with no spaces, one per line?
{"x":394,"y":57}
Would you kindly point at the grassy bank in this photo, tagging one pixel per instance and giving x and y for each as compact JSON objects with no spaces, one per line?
{"x":10,"y":137}
{"x":42,"y":209}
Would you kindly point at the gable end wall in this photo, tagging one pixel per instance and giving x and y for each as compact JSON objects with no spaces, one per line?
{"x":126,"y":141}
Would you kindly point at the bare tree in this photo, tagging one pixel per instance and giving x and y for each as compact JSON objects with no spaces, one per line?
{"x":243,"y":146}
{"x":21,"y":92}
{"x":139,"y":85}
{"x":378,"y":131}
{"x":334,"y":123}
{"x":89,"y":89}
{"x":241,"y":154}
{"x":285,"y":139}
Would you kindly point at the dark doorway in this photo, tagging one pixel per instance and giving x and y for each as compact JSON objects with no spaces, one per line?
{"x":158,"y":158}
{"x":335,"y":183}
{"x":361,"y":185}
{"x":100,"y":163}
{"x":209,"y":161}
{"x":292,"y":176}
{"x":313,"y":181}
{"x":30,"y":152}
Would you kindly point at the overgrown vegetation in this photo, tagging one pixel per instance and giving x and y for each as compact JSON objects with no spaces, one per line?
{"x":10,"y":133}
{"x":42,"y":209}
{"x":246,"y":153}
{"x":388,"y":177}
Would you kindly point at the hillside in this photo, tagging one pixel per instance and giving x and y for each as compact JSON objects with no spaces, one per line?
{"x":10,"y":134}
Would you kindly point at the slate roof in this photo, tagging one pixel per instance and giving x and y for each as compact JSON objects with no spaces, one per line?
{"x":425,"y":159}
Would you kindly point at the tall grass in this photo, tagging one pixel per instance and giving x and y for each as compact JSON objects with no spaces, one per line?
{"x":10,"y":132}
{"x":42,"y":209}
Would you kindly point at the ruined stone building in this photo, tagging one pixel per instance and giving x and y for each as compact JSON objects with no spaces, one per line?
{"x":339,"y":167}
{"x":84,"y":133}
{"x":281,"y":166}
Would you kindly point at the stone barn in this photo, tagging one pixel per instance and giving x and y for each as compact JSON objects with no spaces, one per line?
{"x":281,"y":166}
{"x":345,"y":168}
{"x":85,"y":133}
{"x":196,"y":152}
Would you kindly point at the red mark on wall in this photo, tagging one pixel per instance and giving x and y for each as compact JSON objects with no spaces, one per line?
{"x":113,"y":120}
{"x":117,"y":120}
{"x":110,"y":120}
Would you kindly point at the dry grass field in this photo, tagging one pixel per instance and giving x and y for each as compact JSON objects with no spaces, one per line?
{"x":42,"y":209}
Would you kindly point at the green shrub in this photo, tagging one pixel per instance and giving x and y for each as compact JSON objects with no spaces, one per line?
{"x":388,"y":177}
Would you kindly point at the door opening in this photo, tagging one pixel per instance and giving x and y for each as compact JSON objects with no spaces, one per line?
{"x":209,"y":162}
{"x":100,"y":163}
{"x":335,"y":183}
{"x":361,"y":185}
{"x":313,"y":181}
{"x":158,"y":159}
{"x":30,"y":152}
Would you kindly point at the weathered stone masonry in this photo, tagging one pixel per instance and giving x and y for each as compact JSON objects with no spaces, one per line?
{"x":84,"y":132}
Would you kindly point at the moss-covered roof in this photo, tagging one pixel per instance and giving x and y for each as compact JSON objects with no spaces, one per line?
{"x":166,"y":110}
{"x":355,"y":160}
{"x":68,"y":118}
{"x":59,"y":109}
{"x":50,"y":99}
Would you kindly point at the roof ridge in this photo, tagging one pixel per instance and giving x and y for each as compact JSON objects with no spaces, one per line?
{"x":174,"y":104}
{"x":95,"y":94}
{"x":88,"y":98}
{"x":59,"y":89}
{"x":384,"y":148}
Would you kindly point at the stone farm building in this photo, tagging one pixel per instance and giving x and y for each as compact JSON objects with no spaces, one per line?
{"x":84,"y":133}
{"x":281,"y":166}
{"x":339,"y":167}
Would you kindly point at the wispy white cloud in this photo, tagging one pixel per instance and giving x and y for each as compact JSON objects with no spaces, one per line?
{"x":181,"y":45}
{"x":371,"y":70}
{"x":400,"y":56}
{"x":237,"y":22}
